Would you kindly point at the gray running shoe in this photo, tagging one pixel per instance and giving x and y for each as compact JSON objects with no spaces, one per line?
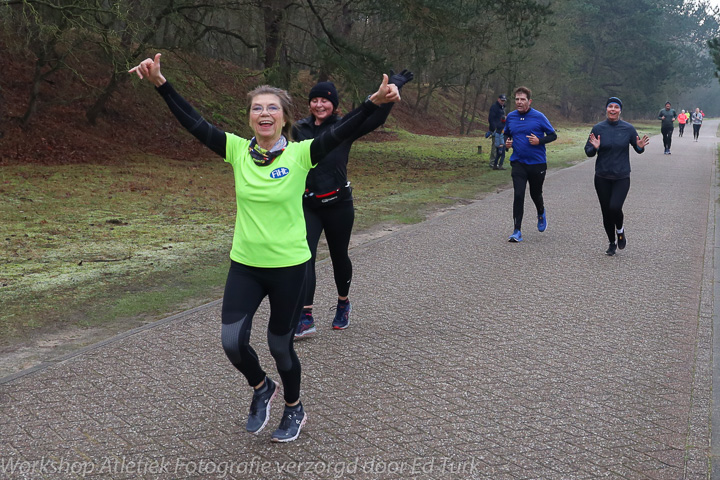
{"x":292,"y":422}
{"x":260,"y":407}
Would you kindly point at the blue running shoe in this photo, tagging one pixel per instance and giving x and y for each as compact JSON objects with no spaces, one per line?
{"x":293,"y":420}
{"x":515,"y":237}
{"x":260,"y":407}
{"x":342,"y":316}
{"x":542,"y":221}
{"x":306,"y":326}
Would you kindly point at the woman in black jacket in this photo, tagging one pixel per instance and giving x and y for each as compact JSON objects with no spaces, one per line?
{"x":328,"y":202}
{"x":611,"y":140}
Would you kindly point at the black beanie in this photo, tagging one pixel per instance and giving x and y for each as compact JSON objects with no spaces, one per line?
{"x":613,"y":100}
{"x":324,"y":90}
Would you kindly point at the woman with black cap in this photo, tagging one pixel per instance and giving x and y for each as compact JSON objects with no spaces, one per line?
{"x":610,"y":140}
{"x":328,"y":202}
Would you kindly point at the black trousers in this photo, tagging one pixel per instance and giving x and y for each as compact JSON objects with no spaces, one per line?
{"x":337,"y":221}
{"x":612,"y":195}
{"x":667,"y":136}
{"x":696,"y":130}
{"x":245,"y":289}
{"x":522,"y":175}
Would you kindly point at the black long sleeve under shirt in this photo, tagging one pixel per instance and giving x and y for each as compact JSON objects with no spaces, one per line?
{"x":214,"y":138}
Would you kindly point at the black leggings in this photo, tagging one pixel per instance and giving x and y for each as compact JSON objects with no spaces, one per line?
{"x":523,"y":174}
{"x":612,"y":195}
{"x":337,"y":221}
{"x":682,"y":129}
{"x":245,"y":289}
{"x":667,"y":136}
{"x":696,"y":130}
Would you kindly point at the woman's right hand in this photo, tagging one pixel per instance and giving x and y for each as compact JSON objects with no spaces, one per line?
{"x":594,"y":141}
{"x":150,"y":69}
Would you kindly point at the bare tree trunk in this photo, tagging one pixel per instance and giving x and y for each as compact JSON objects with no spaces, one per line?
{"x":276,"y":64}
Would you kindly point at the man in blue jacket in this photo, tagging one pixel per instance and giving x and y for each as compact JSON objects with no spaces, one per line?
{"x":496,"y":118}
{"x":527,"y":131}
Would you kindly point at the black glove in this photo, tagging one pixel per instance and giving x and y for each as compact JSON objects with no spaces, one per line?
{"x":401,"y":78}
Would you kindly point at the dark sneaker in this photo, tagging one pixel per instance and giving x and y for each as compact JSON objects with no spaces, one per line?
{"x":622,"y":241}
{"x":306,"y":327}
{"x":542,"y":221}
{"x":292,"y":422}
{"x":515,"y":237}
{"x":260,"y":407}
{"x":342,"y":316}
{"x":611,"y":250}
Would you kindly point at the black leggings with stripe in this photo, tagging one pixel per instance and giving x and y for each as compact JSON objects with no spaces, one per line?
{"x":523,"y":175}
{"x":245,"y":289}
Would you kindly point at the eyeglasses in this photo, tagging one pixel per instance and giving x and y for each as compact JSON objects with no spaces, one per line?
{"x":271,"y":109}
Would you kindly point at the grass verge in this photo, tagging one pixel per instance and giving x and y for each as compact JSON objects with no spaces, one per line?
{"x":106,"y":245}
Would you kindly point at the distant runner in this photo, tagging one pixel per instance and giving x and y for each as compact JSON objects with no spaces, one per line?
{"x":697,"y":119}
{"x":668,"y":116}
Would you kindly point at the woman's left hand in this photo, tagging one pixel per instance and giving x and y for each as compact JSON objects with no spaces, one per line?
{"x":643,"y":142}
{"x":387,"y":93}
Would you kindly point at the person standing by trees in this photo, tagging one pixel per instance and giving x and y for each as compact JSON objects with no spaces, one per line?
{"x":527,"y":131}
{"x":269,"y":252}
{"x":328,"y":203}
{"x":611,"y":140}
{"x":682,"y":119}
{"x":697,"y":119}
{"x":668,"y":116}
{"x":496,"y":117}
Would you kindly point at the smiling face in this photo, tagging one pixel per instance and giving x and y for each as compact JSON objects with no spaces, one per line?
{"x":266,"y":117}
{"x":321,"y":108}
{"x":613,"y":112}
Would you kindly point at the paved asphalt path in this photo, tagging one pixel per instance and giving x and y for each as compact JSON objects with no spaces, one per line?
{"x":467,"y":356}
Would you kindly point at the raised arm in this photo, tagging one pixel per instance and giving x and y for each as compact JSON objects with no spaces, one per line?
{"x":380,"y":115}
{"x":592,"y":144}
{"x":211,"y":136}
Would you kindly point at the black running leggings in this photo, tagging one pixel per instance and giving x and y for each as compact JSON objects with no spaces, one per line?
{"x":337,"y":221}
{"x":696,"y":130}
{"x":667,"y":136}
{"x":523,"y":174}
{"x":612,"y":195}
{"x":245,"y":289}
{"x":682,"y":129}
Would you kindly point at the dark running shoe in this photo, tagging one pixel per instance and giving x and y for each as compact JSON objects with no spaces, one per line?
{"x":292,"y":422}
{"x":622,"y":241}
{"x":260,"y":407}
{"x":611,"y":250}
{"x":342,"y":316}
{"x":306,"y":327}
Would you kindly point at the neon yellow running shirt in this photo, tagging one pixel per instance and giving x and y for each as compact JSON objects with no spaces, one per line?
{"x":269,"y":225}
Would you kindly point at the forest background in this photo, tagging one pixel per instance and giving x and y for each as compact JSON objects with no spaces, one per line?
{"x":83,"y":144}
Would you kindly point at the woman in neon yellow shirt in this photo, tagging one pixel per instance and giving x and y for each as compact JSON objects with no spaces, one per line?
{"x":270,"y":251}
